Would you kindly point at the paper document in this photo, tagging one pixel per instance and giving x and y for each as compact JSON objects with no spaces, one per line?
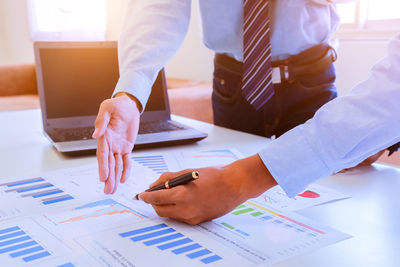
{"x":63,"y":218}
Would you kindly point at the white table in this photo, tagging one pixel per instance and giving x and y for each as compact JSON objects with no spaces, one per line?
{"x":371,"y":216}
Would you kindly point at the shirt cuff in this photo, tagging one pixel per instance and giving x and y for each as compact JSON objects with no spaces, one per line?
{"x":292,"y":162}
{"x":135,"y":84}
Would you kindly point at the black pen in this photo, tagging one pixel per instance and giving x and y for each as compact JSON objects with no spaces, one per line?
{"x":180,"y":180}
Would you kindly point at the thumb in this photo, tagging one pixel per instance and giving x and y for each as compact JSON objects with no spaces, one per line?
{"x":167,"y":176}
{"x":102,"y":120}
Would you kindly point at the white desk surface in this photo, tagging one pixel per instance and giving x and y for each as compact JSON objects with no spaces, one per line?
{"x":371,"y":216}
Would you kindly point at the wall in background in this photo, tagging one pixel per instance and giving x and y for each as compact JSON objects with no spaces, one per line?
{"x":355,"y":59}
{"x":17,"y":45}
{"x":2,"y":43}
{"x":193,"y":60}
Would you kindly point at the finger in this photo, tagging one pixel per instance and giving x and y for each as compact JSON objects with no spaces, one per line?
{"x":169,"y":211}
{"x":102,"y":120}
{"x":102,"y":157}
{"x":118,"y":171}
{"x":126,"y":167}
{"x":160,"y":197}
{"x":110,"y":183}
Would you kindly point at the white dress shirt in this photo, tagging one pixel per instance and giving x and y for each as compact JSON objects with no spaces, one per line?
{"x":343,"y":132}
{"x":155,"y":29}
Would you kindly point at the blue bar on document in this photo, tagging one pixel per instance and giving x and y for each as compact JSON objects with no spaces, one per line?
{"x":36,"y":256}
{"x":162,"y":239}
{"x":143,"y":230}
{"x":7,"y":230}
{"x":199,"y":253}
{"x":47,"y":194}
{"x":26,"y":251}
{"x":153,"y":234}
{"x":241,"y":232}
{"x":68,"y":264}
{"x":15,"y":240}
{"x":211,"y":259}
{"x":7,"y":236}
{"x":267,"y":217}
{"x":34,"y":188}
{"x":175,"y":244}
{"x":186,"y":249}
{"x":26,"y":182}
{"x":57,"y":200}
{"x":16,"y":247}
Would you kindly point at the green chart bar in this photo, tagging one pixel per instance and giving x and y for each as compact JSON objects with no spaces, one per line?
{"x":240,"y":206}
{"x":227,"y":225}
{"x":255,"y":214}
{"x":242,"y":211}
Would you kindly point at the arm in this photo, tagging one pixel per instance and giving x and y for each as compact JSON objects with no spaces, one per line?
{"x":153,"y":31}
{"x":343,"y":132}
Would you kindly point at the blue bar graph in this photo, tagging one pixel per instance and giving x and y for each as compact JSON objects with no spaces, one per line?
{"x":168,"y":239}
{"x":199,"y":253}
{"x":155,"y":163}
{"x":162,"y":239}
{"x":186,"y":249}
{"x":68,"y":264}
{"x":24,"y":182}
{"x":144,"y":230}
{"x":36,"y":256}
{"x":175,"y":244}
{"x":211,"y":259}
{"x":31,"y":188}
{"x":15,"y":240}
{"x":8,"y":230}
{"x":48,"y":193}
{"x":26,"y":251}
{"x":59,"y":199}
{"x":7,"y":236}
{"x":19,"y":245}
{"x":37,"y":188}
{"x":153,"y":234}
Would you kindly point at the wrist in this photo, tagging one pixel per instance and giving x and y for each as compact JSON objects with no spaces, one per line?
{"x":252,"y":177}
{"x":132,"y":98}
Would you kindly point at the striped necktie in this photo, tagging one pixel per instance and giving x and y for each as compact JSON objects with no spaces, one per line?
{"x":257,"y":87}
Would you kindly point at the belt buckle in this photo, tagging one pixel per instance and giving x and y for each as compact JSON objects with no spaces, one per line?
{"x":280,"y":74}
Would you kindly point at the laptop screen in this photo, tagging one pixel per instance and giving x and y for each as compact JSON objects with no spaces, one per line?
{"x":76,"y":80}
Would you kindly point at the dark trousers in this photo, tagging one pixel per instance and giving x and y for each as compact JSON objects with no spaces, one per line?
{"x":292,"y":104}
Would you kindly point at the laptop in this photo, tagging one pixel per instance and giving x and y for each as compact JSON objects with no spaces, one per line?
{"x":75,"y":77}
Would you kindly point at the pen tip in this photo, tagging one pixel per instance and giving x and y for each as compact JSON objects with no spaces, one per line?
{"x":136,"y":197}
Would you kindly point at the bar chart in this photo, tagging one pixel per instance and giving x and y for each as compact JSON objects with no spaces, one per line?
{"x":251,"y":226}
{"x":156,"y":163}
{"x":18,"y":245}
{"x":36,"y":188}
{"x":166,"y":238}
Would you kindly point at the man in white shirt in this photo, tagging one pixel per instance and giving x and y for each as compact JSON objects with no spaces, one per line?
{"x":300,"y":31}
{"x":342,"y":133}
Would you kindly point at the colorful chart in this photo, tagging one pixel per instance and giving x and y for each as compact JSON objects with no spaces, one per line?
{"x":15,"y":242}
{"x":37,"y":188}
{"x":156,"y":163}
{"x":167,"y":238}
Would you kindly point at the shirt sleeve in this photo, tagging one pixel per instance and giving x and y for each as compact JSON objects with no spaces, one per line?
{"x":152,"y":33}
{"x":343,"y":132}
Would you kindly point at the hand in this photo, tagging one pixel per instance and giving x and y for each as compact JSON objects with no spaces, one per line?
{"x":367,"y":161}
{"x":116,"y":128}
{"x":217,"y":191}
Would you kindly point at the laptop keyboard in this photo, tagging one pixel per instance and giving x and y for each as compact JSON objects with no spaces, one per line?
{"x":85,"y":133}
{"x":155,"y":127}
{"x":72,"y":134}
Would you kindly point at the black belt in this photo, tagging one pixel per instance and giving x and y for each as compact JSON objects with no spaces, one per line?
{"x":313,"y":60}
